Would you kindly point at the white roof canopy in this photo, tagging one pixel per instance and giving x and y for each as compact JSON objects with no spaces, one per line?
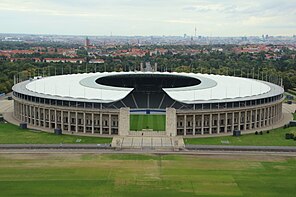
{"x":212,"y":88}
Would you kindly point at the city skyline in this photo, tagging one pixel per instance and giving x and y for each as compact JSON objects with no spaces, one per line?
{"x":144,"y":18}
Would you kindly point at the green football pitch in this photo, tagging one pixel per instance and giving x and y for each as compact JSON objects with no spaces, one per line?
{"x":120,"y":175}
{"x":152,"y":121}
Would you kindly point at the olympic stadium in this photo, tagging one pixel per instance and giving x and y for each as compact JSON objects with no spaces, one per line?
{"x":149,"y":103}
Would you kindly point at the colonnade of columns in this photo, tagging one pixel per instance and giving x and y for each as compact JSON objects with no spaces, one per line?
{"x":215,"y":122}
{"x":179,"y":122}
{"x":78,"y":121}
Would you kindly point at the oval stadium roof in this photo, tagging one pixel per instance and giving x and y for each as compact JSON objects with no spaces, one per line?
{"x":213,"y":88}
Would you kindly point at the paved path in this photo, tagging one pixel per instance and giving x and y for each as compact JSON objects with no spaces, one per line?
{"x":240,"y":151}
{"x":6,"y":106}
{"x":150,"y":142}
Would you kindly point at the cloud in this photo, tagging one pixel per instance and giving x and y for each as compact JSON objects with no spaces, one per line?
{"x":180,"y":21}
{"x":30,"y":7}
{"x":174,"y":17}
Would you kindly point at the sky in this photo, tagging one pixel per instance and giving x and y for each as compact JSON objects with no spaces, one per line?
{"x":149,"y":17}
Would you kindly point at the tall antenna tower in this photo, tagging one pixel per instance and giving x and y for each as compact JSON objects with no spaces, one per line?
{"x":195,"y":32}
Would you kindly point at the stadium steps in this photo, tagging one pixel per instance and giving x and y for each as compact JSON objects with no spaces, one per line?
{"x":155,"y":142}
{"x":147,"y":133}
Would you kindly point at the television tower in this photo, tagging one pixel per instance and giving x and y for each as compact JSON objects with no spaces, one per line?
{"x":195,"y":32}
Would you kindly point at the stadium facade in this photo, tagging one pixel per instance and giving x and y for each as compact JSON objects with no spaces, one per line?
{"x":194,"y":104}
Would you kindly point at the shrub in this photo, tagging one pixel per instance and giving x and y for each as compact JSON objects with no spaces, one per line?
{"x":289,"y":136}
{"x":256,"y":133}
{"x":261,"y":133}
{"x":267,"y":131}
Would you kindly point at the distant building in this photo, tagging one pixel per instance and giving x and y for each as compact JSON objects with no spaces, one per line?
{"x":87,"y":42}
{"x":64,"y":60}
{"x":96,"y":61}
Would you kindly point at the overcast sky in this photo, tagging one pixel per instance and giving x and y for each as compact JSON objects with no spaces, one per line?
{"x":149,"y":17}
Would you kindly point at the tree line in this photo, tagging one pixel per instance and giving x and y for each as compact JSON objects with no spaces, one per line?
{"x":223,"y":63}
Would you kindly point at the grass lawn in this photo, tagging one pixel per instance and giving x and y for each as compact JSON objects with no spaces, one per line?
{"x":11,"y":134}
{"x":276,"y":137}
{"x":151,"y":121}
{"x":145,"y":175}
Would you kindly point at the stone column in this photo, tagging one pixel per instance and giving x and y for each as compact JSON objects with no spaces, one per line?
{"x":109,"y":120}
{"x":69,"y":121}
{"x":124,"y":122}
{"x":26,"y":113}
{"x":226,"y":123}
{"x":260,"y":117}
{"x":263,"y":115}
{"x":277,"y":111}
{"x":266,"y":115}
{"x":29,"y":113}
{"x":92,"y":123}
{"x":21,"y":113}
{"x":232,"y":123}
{"x":255,"y":120}
{"x":211,"y":123}
{"x":15,"y":110}
{"x":272,"y":111}
{"x":171,"y":122}
{"x":62,"y":119}
{"x":76,"y":122}
{"x":55,"y":119}
{"x":239,"y":120}
{"x":193,"y":124}
{"x":245,"y":121}
{"x":49,"y":118}
{"x":84,"y":122}
{"x":44,"y":118}
{"x":269,"y":115}
{"x":251,"y":119}
{"x":202,"y":123}
{"x":185,"y":124}
{"x":101,"y":123}
{"x":218,"y":123}
{"x":39,"y":116}
{"x":33,"y":114}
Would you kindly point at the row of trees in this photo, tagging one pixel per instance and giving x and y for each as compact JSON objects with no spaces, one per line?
{"x":245,"y":65}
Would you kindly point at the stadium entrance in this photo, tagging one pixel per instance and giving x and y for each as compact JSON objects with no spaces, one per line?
{"x":148,"y":129}
{"x":147,"y":122}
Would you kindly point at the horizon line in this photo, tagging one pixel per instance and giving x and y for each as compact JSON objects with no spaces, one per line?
{"x":120,"y":35}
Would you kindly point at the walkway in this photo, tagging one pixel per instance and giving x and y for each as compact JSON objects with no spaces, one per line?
{"x":160,"y":142}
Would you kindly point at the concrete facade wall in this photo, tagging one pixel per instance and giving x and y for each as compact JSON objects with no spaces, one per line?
{"x":117,"y":121}
{"x":225,"y":121}
{"x":171,"y":122}
{"x":75,"y":120}
{"x":124,"y":121}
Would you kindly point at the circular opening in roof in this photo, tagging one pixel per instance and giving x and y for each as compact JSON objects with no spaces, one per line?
{"x":148,"y":81}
